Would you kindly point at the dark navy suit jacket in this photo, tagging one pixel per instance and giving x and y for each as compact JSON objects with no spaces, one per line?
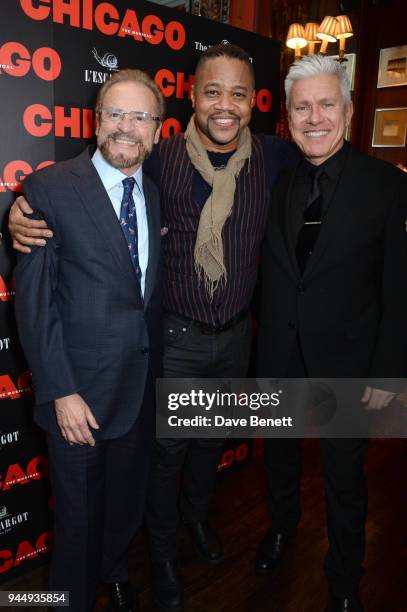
{"x":82,"y":324}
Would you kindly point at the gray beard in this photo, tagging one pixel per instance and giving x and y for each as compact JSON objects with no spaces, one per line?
{"x":120,"y":161}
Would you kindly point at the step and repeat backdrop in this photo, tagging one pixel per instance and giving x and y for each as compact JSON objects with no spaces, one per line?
{"x":54,"y":56}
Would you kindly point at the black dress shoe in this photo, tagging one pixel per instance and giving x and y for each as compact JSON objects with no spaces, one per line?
{"x":270,"y":551}
{"x":167,"y":588}
{"x":344,"y":604}
{"x":123,"y":597}
{"x":206,"y":542}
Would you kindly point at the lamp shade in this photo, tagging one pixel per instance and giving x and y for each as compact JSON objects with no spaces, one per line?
{"x":296,"y":36}
{"x":327,"y":29}
{"x":311,"y":30}
{"x":344,"y":28}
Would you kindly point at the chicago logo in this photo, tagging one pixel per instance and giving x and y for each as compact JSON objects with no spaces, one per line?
{"x":8,"y":390}
{"x":25,"y":550}
{"x":7,"y":291}
{"x":14,"y":173}
{"x":17,"y":61}
{"x":37,"y":468}
{"x":108,"y":20}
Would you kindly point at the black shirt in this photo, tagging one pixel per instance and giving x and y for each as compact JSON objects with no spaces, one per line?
{"x":332,"y":169}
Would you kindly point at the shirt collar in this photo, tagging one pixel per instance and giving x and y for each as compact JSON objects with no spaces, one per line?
{"x":110,"y":176}
{"x":332,"y":167}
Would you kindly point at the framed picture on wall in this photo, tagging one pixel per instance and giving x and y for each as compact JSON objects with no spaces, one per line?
{"x":392,"y":67}
{"x":390,"y":127}
{"x":349,"y":67}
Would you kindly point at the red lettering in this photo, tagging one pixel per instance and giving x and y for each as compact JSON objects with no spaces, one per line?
{"x":87,"y":122}
{"x":175,"y":35}
{"x":15,"y":172}
{"x":40,"y":59}
{"x":264,"y":99}
{"x":15,"y":59}
{"x":14,"y":475}
{"x":156,"y":34}
{"x":25,"y":550}
{"x":87,"y":15}
{"x":37,"y":120}
{"x":170,"y":127}
{"x":227,"y":460}
{"x":183,"y":86}
{"x":107,"y":19}
{"x":165,"y":81}
{"x":72,"y":10}
{"x":44,"y":542}
{"x":24,"y":382}
{"x":71,"y":122}
{"x":8,"y":390}
{"x":44,"y":164}
{"x":38,"y":467}
{"x":6,"y":295}
{"x":106,"y":9}
{"x":6,"y":560}
{"x":38,"y":13}
{"x":130,"y":26}
{"x":241,"y":452}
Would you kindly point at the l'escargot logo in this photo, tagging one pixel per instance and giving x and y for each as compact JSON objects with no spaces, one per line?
{"x":108,"y":60}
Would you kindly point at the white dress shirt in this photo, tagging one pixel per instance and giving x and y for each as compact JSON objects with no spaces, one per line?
{"x":112,"y":181}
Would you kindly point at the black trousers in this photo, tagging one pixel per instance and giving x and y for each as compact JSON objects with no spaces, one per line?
{"x":183,"y":471}
{"x":345,"y":492}
{"x":99,"y":500}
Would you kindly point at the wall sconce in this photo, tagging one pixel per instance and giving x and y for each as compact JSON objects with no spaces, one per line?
{"x":330,"y":30}
{"x":327,"y":32}
{"x":311,"y":30}
{"x":344,"y":31}
{"x":296,"y":38}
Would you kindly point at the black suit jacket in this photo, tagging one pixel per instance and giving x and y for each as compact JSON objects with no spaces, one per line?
{"x":81,"y":322}
{"x":349,"y":308}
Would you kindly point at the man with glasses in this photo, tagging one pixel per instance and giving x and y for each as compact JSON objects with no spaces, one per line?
{"x":88,"y":313}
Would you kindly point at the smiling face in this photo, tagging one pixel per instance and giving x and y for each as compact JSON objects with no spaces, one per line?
{"x":125,"y":144}
{"x":223,"y":98}
{"x":318,"y":116}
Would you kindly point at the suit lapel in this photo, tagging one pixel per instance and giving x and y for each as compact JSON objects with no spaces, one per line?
{"x":153,"y":220}
{"x":92,"y":193}
{"x":288,"y":235}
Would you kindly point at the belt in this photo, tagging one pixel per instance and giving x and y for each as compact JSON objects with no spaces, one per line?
{"x":206,"y":328}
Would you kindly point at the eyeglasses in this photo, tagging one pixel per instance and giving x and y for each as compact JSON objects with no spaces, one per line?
{"x":114,"y":115}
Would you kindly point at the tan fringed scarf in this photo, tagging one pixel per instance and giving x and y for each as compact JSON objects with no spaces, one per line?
{"x":209,"y":245}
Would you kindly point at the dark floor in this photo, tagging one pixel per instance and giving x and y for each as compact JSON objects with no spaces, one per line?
{"x":239,"y":515}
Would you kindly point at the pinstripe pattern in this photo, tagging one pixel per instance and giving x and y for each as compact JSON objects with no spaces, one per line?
{"x":184,"y":293}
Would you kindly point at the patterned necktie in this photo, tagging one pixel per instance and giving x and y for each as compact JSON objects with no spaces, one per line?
{"x":309,"y":232}
{"x":128,"y":221}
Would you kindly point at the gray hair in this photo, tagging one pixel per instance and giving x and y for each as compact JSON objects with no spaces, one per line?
{"x":314,"y":65}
